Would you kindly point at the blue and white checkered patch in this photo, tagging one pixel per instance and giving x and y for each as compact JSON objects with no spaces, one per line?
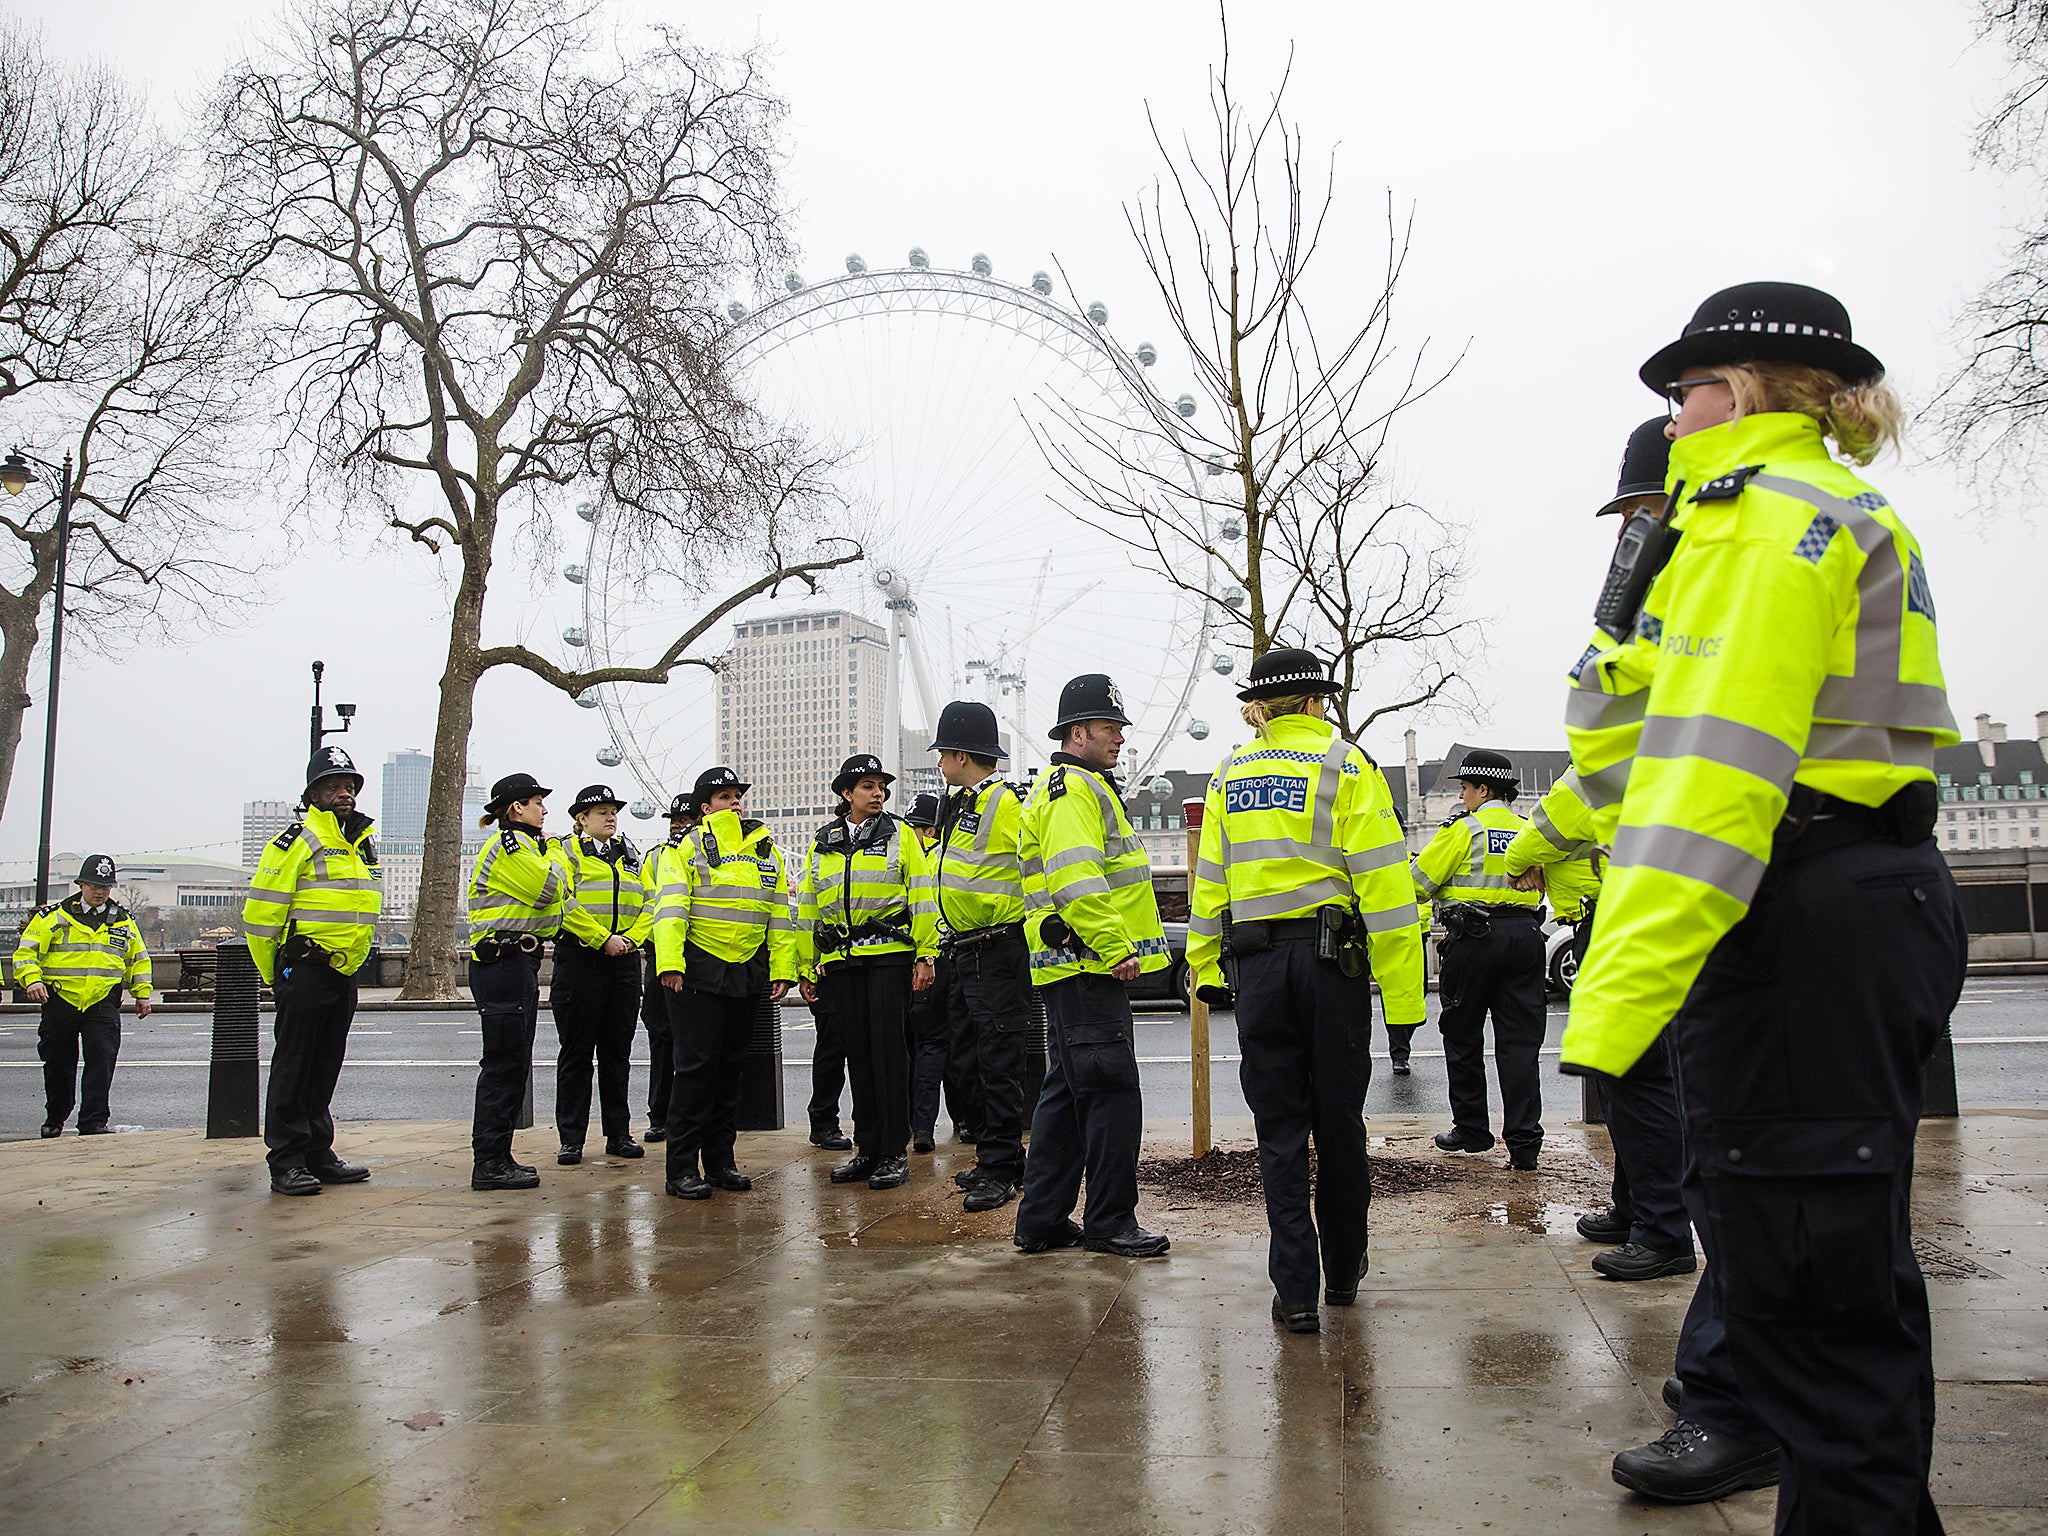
{"x":1814,"y":542}
{"x":1919,"y":595}
{"x":1580,"y":665}
{"x":1869,"y":501}
{"x":1649,"y":627}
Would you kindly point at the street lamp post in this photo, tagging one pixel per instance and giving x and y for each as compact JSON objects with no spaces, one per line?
{"x":321,"y":729}
{"x":15,"y":476}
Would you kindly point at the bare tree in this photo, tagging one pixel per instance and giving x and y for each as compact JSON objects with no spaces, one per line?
{"x":1284,"y":513}
{"x":1990,"y":410}
{"x":113,"y":347}
{"x":495,"y":248}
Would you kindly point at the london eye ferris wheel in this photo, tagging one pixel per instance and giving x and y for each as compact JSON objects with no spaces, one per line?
{"x":934,"y":386}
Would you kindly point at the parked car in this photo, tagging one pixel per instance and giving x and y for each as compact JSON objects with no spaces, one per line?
{"x":1560,"y":962}
{"x":1174,"y":984}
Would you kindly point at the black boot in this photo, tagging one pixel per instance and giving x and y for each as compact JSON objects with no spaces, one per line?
{"x":1690,"y":1464}
{"x":691,"y":1186}
{"x":502,"y":1173}
{"x":1455,"y":1140}
{"x":831,"y":1138}
{"x":854,"y":1170}
{"x":889,"y":1173}
{"x":293,"y":1181}
{"x":1297,"y":1319}
{"x":623,"y":1146}
{"x":1633,"y":1261}
{"x":1607,"y":1226}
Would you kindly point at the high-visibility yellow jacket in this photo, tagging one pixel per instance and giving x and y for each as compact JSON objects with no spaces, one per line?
{"x":725,"y":891}
{"x":1791,"y":639}
{"x":655,"y":872}
{"x":606,"y":893}
{"x":1301,"y":819}
{"x":318,"y":877}
{"x":875,"y":872}
{"x":1083,"y":862}
{"x":978,"y":871}
{"x":82,"y":956}
{"x":1467,"y":859}
{"x":516,"y":886}
{"x":1572,"y":860}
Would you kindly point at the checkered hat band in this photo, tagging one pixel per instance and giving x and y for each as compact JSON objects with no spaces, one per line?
{"x":1778,"y":327}
{"x":1288,"y":677}
{"x":1506,"y":775}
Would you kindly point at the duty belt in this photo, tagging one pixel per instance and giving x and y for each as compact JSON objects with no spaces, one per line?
{"x":490,"y":948}
{"x":974,"y":938}
{"x":298,"y":949}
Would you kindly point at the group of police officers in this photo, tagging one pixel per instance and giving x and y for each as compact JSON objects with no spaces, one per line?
{"x":1750,"y":810}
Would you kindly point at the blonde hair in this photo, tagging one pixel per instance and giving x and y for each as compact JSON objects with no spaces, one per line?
{"x":1862,"y":419}
{"x":1257,"y":713}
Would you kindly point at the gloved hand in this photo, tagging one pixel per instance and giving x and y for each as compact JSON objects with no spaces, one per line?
{"x":1217,"y":997}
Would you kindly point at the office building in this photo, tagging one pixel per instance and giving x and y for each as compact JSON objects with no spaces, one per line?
{"x":261,"y":821}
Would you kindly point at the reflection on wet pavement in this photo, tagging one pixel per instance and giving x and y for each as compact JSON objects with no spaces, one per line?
{"x":179,"y":1352}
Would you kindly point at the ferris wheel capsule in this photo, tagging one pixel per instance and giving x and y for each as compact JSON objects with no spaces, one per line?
{"x":1223,"y":664}
{"x":587,"y":510}
{"x":573,"y":574}
{"x":574,"y":636}
{"x":854,"y":264}
{"x":588,"y":699}
{"x":1147,"y":354}
{"x":1185,"y":405}
{"x":1236,"y":597}
{"x":981,"y":266}
{"x":610,"y":756}
{"x":1199,"y":729}
{"x":1231,"y":529}
{"x":1160,"y":787}
{"x":793,"y":281}
{"x":1041,"y":283}
{"x":736,"y":310}
{"x":1098,"y":312}
{"x":643,"y":810}
{"x":918,"y":258}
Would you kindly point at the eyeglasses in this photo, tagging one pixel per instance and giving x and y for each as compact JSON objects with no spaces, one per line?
{"x":1674,"y":392}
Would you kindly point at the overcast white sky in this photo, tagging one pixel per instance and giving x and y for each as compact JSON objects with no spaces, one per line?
{"x":1582,"y":176}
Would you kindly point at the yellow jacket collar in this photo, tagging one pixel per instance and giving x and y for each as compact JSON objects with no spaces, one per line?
{"x":1300,"y":728}
{"x":1770,"y":437}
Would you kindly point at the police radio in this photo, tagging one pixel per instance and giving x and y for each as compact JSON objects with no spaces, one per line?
{"x":1640,"y":554}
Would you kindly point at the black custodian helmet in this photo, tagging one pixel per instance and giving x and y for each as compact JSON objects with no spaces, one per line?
{"x":1643,"y":464}
{"x":332,"y":763}
{"x":1091,"y":696}
{"x":965,"y":726}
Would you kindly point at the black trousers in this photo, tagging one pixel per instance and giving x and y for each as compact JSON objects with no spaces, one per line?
{"x":60,"y":1037}
{"x":1090,"y":1115}
{"x":507,"y":994}
{"x":315,"y":1006}
{"x":1500,"y":973}
{"x":988,"y":1002}
{"x":661,"y":1068}
{"x":1801,"y":1046}
{"x":828,"y":1066}
{"x":928,"y":1061}
{"x":1305,"y":1031}
{"x":708,"y":1038}
{"x":1400,"y":1041}
{"x":869,"y":1001}
{"x":595,"y":998}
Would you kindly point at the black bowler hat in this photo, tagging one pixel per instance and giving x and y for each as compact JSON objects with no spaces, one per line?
{"x":711,"y":781}
{"x":1091,"y":696}
{"x":1643,"y":464}
{"x":863,"y":765}
{"x":591,"y":796}
{"x":96,"y":870}
{"x":965,"y":726}
{"x":1285,"y":672}
{"x":924,"y":810}
{"x":514,"y":786}
{"x":1765,"y":323}
{"x":1483,"y":767}
{"x":332,"y":763}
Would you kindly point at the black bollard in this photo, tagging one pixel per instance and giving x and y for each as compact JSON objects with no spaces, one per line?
{"x":1034,"y":1055}
{"x":1592,"y":1103}
{"x":1938,"y":1080}
{"x":761,"y":1070}
{"x":231,"y":1099}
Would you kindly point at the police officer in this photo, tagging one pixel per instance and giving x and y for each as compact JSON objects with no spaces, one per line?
{"x":1092,"y":924}
{"x":723,"y":936}
{"x":596,"y":987}
{"x":1559,"y":854}
{"x":928,"y":1057}
{"x":515,"y":894}
{"x":868,"y":937}
{"x":311,"y":917}
{"x":1492,"y":961}
{"x":661,"y":1067}
{"x":985,"y":964}
{"x":1774,"y":701}
{"x":1302,"y":873}
{"x":73,"y":958}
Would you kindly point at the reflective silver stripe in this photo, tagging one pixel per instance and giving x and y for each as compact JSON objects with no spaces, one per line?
{"x":1212,"y":872}
{"x":1084,"y":885}
{"x":1391,"y":919}
{"x":1322,"y":829}
{"x":1485,"y":882}
{"x":988,"y":816}
{"x":1285,"y":848}
{"x":1137,"y":874}
{"x":1693,"y":854}
{"x":543,"y":925}
{"x":1603,"y":788}
{"x":781,"y":922}
{"x":333,"y":919}
{"x":1118,"y":847}
{"x":1037,"y":901}
{"x":1208,"y":927}
{"x":341,"y":885}
{"x":271,"y":892}
{"x":1880,"y":622}
{"x":1870,"y":744}
{"x":1423,"y":883}
{"x":86,"y":946}
{"x":992,"y":885}
{"x":1366,"y":860}
{"x":1910,"y":706}
{"x":1032,"y":866}
{"x":264,"y":930}
{"x":1586,"y":711}
{"x":1540,"y":820}
{"x":1068,"y":857}
{"x":1278,"y":904}
{"x":79,"y":972}
{"x":1720,"y":740}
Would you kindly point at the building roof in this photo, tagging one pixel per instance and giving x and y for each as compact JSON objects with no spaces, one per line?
{"x":1964,"y":763}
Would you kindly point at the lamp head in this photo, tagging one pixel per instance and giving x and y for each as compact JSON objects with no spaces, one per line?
{"x":15,"y":474}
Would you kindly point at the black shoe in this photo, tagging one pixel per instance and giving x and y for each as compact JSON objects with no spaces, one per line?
{"x":731,"y":1178}
{"x":854,"y":1170}
{"x":292,"y":1181}
{"x":1632,"y":1261}
{"x":503,"y":1173}
{"x":1524,"y":1160}
{"x":1344,"y":1296}
{"x":1068,"y":1236}
{"x":52,"y":1130}
{"x":968,"y":1138}
{"x":969,"y":1176}
{"x":691,"y":1186}
{"x":95,"y":1130}
{"x":1297,"y":1319}
{"x":1455,"y":1140}
{"x":890,"y":1173}
{"x":655,"y":1133}
{"x":1604,"y":1227}
{"x":339,"y":1173}
{"x":834,"y":1140}
{"x":923,"y":1144}
{"x":623,"y":1146}
{"x":569,"y":1156}
{"x":1673,"y":1390}
{"x":988,"y":1194}
{"x":1690,"y":1464}
{"x":1401,"y":1068}
{"x":1137,"y":1243}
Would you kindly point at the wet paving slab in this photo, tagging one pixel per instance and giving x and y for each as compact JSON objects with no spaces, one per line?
{"x":182,"y":1352}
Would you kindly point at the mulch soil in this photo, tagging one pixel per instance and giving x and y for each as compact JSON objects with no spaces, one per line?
{"x":1232,"y":1177}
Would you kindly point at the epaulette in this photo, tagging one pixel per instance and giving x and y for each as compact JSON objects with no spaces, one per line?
{"x":284,"y":840}
{"x":831,"y":835}
{"x":1056,"y":784}
{"x":1728,"y":486}
{"x":45,"y":911}
{"x":510,"y":840}
{"x":748,"y":824}
{"x":116,"y":913}
{"x":1455,"y":817}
